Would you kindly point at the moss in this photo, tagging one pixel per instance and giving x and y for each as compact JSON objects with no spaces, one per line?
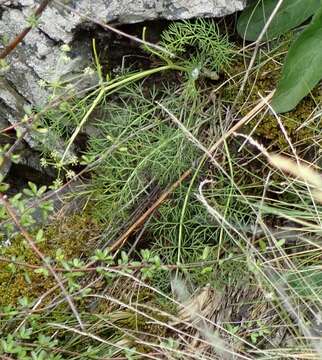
{"x":266,"y":128}
{"x":74,"y":236}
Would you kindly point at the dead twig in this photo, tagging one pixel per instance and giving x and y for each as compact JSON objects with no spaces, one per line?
{"x":18,"y":39}
{"x":141,"y":220}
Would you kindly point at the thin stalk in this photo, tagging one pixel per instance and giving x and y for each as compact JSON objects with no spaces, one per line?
{"x":185,"y":203}
{"x":184,"y":207}
{"x":221,"y":234}
{"x":111,"y":87}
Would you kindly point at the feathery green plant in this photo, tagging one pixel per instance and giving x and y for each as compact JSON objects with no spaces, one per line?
{"x":212,"y":49}
{"x":149,"y":150}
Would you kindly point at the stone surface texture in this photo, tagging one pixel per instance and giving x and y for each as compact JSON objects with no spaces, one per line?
{"x":39,"y":57}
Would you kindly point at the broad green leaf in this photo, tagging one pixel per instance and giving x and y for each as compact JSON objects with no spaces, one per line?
{"x":302,"y":69}
{"x":291,"y":14}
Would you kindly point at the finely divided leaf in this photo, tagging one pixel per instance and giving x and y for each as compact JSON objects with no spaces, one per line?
{"x":291,"y":14}
{"x":302,"y":69}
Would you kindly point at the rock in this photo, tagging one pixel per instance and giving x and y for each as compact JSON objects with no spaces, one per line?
{"x":39,"y":60}
{"x":126,"y":11}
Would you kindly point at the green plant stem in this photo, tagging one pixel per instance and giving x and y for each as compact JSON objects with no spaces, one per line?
{"x":221,"y":234}
{"x":180,"y":236}
{"x":117,"y":85}
{"x":184,"y":207}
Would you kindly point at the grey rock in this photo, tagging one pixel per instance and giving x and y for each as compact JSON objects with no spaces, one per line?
{"x":126,"y":11}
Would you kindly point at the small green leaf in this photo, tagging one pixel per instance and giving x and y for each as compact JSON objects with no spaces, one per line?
{"x":205,"y":253}
{"x":207,"y":270}
{"x":27,"y":109}
{"x":262,"y":245}
{"x":42,"y":130}
{"x":24,"y":301}
{"x":41,"y":190}
{"x":4,"y":187}
{"x":25,"y":333}
{"x":291,"y":14}
{"x":33,"y":187}
{"x":40,"y":236}
{"x":302,"y":69}
{"x":28,"y":192}
{"x":42,"y":271}
{"x":253,"y":337}
{"x":280,"y":242}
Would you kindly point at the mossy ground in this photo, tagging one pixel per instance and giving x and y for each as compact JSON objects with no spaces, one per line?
{"x":75,"y":236}
{"x":265,"y":128}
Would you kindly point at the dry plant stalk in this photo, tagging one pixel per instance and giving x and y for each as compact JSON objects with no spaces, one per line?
{"x":123,"y":238}
{"x":299,"y":170}
{"x":18,"y":39}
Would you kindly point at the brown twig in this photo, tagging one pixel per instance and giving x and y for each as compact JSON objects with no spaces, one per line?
{"x":18,"y":39}
{"x":123,"y":238}
{"x":5,"y":357}
{"x":33,"y":246}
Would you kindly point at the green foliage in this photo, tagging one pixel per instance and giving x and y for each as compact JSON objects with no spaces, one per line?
{"x":213,"y":50}
{"x":28,"y":215}
{"x":302,"y":67}
{"x":290,"y":14}
{"x":4,"y":66}
{"x":135,"y":151}
{"x":301,"y":71}
{"x":307,"y":283}
{"x":197,"y":230}
{"x":144,"y":150}
{"x":33,"y":21}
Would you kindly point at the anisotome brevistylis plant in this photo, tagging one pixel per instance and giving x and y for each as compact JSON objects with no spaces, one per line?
{"x":229,"y":261}
{"x":195,"y":49}
{"x":140,"y":149}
